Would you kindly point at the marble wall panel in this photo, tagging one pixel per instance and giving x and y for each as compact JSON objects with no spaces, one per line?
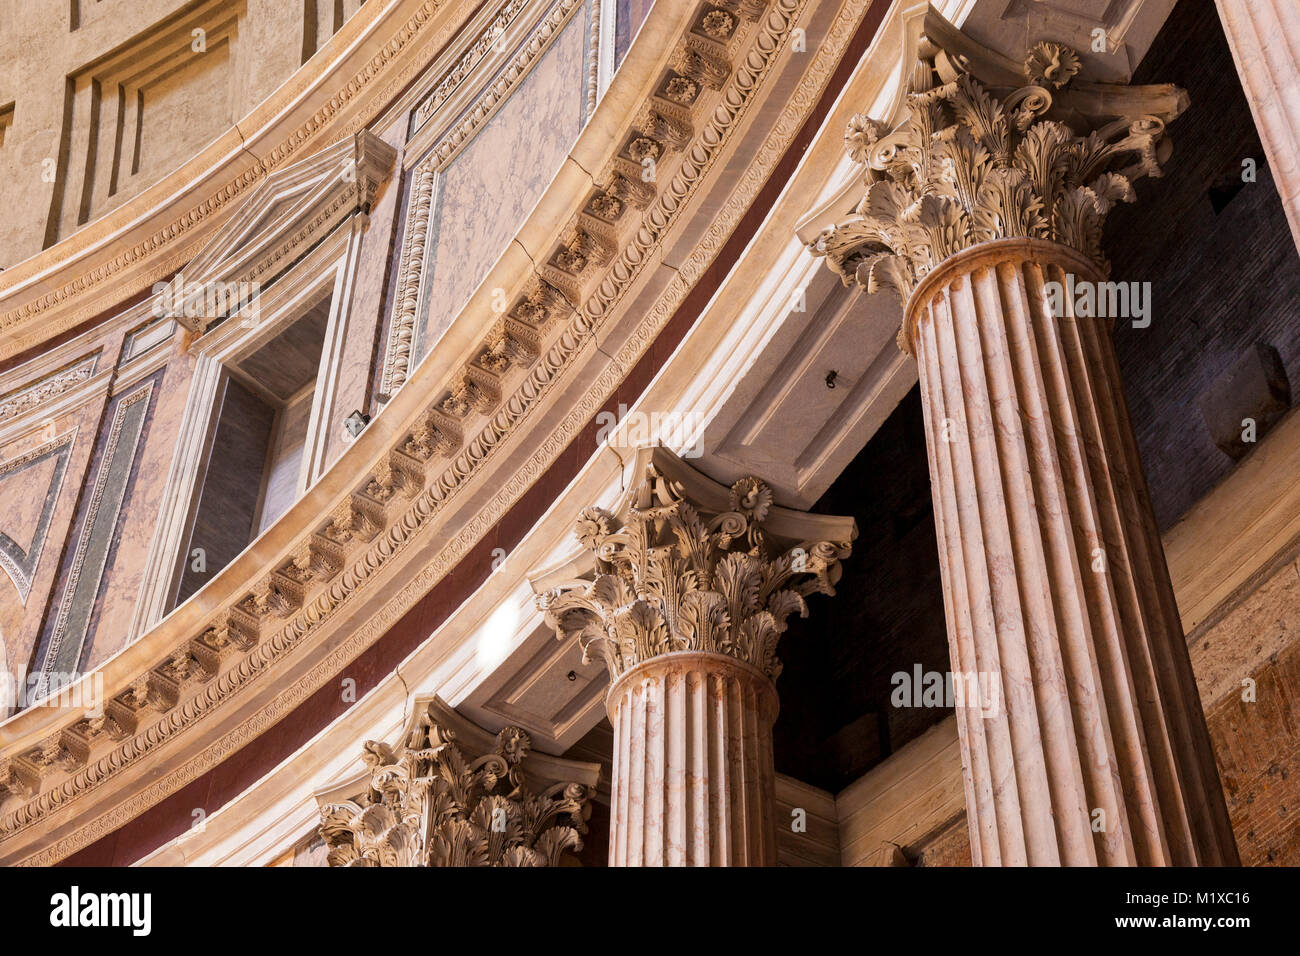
{"x":83,"y":575}
{"x":116,"y":604}
{"x":485,"y":193}
{"x":39,"y":506}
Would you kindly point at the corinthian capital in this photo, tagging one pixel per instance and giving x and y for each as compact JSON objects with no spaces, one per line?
{"x":449,"y":793}
{"x":686,"y":564}
{"x":983,"y":147}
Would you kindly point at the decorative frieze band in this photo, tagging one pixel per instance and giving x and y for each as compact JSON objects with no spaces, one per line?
{"x":464,"y":66}
{"x":31,"y":396}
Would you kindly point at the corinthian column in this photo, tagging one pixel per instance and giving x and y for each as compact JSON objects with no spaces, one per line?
{"x":689,"y":587}
{"x":1263,"y":37}
{"x":983,"y":209}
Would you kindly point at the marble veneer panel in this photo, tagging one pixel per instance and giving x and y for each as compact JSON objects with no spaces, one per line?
{"x":29,"y":486}
{"x":628,"y":15}
{"x":66,"y":632}
{"x":486,"y":191}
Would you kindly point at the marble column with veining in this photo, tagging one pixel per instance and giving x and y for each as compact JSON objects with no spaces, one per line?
{"x":1265,"y":39}
{"x":1095,"y":750}
{"x":693,"y":781}
{"x":688,"y":590}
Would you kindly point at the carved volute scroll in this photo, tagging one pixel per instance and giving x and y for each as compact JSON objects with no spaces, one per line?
{"x":686,"y":564}
{"x":429,"y":802}
{"x":987,"y":149}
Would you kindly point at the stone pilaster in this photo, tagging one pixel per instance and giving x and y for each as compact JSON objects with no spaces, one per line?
{"x":690,"y":586}
{"x":1263,"y":37}
{"x":984,"y":209}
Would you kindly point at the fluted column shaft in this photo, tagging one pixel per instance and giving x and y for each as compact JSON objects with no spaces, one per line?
{"x":1265,"y":39}
{"x":1055,"y":584}
{"x":693,"y":779}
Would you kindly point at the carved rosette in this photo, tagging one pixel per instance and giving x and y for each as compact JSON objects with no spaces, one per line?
{"x":428,"y":804}
{"x":672,"y":575}
{"x":988,"y":150}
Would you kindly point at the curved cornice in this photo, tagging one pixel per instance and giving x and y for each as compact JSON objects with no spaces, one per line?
{"x":310,"y":594}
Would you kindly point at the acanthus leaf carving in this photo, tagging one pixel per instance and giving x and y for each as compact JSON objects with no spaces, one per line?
{"x":669,"y":576}
{"x":428,"y":803}
{"x":974,"y":162}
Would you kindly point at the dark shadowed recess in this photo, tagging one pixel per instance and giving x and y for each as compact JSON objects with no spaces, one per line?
{"x":1220,"y":258}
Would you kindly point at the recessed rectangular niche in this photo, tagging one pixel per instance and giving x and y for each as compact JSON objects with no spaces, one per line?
{"x":142,"y":110}
{"x":321,"y":20}
{"x":255,"y":467}
{"x":284,"y":463}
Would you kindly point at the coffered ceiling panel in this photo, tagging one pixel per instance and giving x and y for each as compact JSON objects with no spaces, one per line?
{"x":822,"y":385}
